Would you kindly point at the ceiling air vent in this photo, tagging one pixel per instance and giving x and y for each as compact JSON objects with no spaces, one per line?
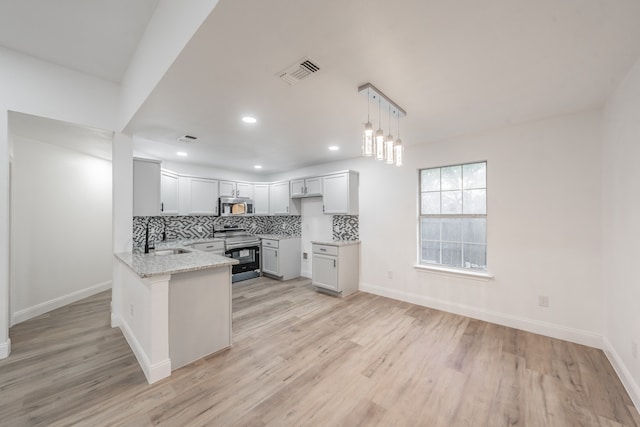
{"x":187,"y":138}
{"x":298,"y":71}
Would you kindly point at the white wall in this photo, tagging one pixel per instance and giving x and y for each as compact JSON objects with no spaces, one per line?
{"x":61,"y":227}
{"x":5,"y":343}
{"x":544,"y":203}
{"x":621,"y":231}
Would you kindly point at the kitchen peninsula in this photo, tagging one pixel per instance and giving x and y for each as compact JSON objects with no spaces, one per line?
{"x":174,"y":305}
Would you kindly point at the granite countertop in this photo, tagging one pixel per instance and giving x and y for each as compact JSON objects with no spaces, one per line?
{"x":149,"y":265}
{"x":337,"y":242}
{"x":277,"y":236}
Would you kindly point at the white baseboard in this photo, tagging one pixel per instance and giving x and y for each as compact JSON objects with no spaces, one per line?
{"x":543,"y":328}
{"x":154,"y":372}
{"x":47,"y":306}
{"x":625,"y":376}
{"x":5,"y":349}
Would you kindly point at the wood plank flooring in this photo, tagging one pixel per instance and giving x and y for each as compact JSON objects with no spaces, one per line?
{"x":301,"y":358}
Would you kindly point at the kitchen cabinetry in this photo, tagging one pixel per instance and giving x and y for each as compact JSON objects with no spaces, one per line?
{"x":261,"y":199}
{"x":146,"y":187}
{"x":168,"y":193}
{"x":340,"y":193}
{"x":307,"y":187}
{"x":281,"y":258}
{"x":201,"y":196}
{"x":242,"y":190}
{"x":335,"y":267}
{"x":279,"y":201}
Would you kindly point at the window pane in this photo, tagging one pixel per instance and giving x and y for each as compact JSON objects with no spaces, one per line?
{"x":430,"y":203}
{"x":452,"y":230}
{"x":475,"y":256}
{"x":451,"y":202}
{"x":475,"y":201}
{"x":452,"y":254}
{"x":431,"y":252}
{"x":474,"y":175}
{"x":452,"y":178}
{"x":474,"y":230}
{"x":430,"y":179}
{"x":430,"y":229}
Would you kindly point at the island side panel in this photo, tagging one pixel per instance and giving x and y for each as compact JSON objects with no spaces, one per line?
{"x":141,"y":314}
{"x":199,"y":314}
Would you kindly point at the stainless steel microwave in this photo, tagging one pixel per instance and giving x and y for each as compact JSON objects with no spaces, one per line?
{"x":230,"y":206}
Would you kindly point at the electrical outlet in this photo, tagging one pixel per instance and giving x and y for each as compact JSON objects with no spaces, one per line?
{"x":634,"y":349}
{"x":543,"y":301}
{"x":305,"y":255}
{"x":131,"y":309}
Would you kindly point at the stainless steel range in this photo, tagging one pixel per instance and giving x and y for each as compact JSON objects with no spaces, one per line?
{"x":244,"y":247}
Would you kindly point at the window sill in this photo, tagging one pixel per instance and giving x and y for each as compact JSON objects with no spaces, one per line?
{"x":454,"y":272}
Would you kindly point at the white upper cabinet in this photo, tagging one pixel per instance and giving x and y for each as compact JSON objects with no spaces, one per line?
{"x":227,"y":189}
{"x":146,"y":187}
{"x":241,"y":190}
{"x":340,"y":194}
{"x":280,"y":202}
{"x":244,"y":190}
{"x":169,"y":193}
{"x":308,"y":187}
{"x":261,"y":199}
{"x":202,"y":196}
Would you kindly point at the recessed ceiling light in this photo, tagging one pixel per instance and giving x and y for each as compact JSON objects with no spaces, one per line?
{"x":182,"y":154}
{"x":334,"y":148}
{"x":249,"y":119}
{"x":257,"y":167}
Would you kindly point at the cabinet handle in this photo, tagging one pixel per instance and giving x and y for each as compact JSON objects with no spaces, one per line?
{"x":334,"y":263}
{"x":161,"y":207}
{"x":322,"y":208}
{"x":323,"y":249}
{"x":305,"y":190}
{"x":287,"y":208}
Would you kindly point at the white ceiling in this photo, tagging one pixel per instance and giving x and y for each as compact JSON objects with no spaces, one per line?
{"x":96,"y":37}
{"x":454,"y":66}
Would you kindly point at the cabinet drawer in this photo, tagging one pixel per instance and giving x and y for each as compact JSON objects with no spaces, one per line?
{"x":209,"y":246}
{"x":270,"y":243}
{"x":325,"y":249}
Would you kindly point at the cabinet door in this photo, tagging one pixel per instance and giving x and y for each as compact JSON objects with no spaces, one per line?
{"x":146,"y":187}
{"x":203,"y":197}
{"x":244,"y":190}
{"x":297,"y":188}
{"x":324,"y":271}
{"x":261,"y":199}
{"x":227,"y":189}
{"x":313,"y":186}
{"x":279,"y":198}
{"x":169,"y":193}
{"x":270,"y":261}
{"x":336,"y":194}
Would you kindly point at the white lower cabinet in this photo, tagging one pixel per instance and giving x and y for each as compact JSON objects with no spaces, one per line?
{"x":335,"y":267}
{"x":281,"y":258}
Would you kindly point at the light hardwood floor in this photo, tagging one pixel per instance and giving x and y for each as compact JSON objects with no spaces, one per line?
{"x":301,"y":358}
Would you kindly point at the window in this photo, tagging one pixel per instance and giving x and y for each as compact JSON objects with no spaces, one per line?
{"x":453,"y":216}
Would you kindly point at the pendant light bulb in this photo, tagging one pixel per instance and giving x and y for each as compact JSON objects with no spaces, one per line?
{"x":397,"y":152}
{"x":388,"y":144}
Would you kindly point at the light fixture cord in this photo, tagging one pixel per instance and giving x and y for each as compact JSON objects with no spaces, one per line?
{"x":368,"y":105}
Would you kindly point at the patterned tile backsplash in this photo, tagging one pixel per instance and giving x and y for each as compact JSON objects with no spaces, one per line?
{"x":345,"y":227}
{"x":195,"y":227}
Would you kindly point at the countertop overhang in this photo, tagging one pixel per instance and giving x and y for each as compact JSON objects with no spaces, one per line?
{"x":150,"y":265}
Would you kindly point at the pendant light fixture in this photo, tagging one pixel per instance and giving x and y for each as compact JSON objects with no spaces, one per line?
{"x":388,"y":143}
{"x":397,"y":148}
{"x":367,"y":136}
{"x":379,"y":136}
{"x":375,"y":144}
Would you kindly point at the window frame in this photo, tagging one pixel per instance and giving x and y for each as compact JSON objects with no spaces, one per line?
{"x":445,"y":268}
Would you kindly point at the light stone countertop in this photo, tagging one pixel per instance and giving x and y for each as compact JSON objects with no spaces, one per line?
{"x":149,"y":265}
{"x":277,"y":236}
{"x":337,"y":242}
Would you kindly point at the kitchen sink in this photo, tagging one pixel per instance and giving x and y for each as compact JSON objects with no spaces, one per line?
{"x":171,"y":252}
